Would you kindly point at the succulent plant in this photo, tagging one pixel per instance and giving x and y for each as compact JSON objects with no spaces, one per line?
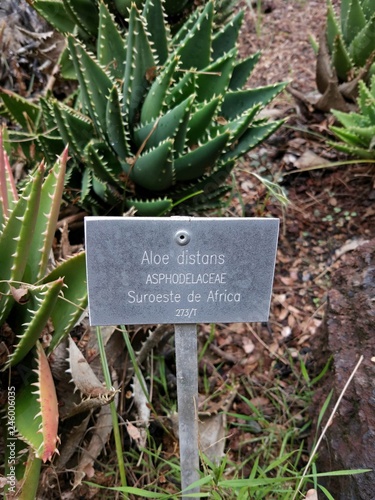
{"x":357,"y":134}
{"x":157,"y":120}
{"x":346,"y":52}
{"x":26,"y":237}
{"x":80,"y":18}
{"x":35,"y":300}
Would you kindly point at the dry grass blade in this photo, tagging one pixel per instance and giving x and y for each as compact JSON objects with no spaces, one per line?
{"x":329,"y":422}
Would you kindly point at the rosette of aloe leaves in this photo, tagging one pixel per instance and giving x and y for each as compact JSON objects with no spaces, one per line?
{"x":158,"y":121}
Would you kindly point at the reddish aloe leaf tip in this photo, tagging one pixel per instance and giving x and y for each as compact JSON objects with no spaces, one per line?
{"x":48,"y":404}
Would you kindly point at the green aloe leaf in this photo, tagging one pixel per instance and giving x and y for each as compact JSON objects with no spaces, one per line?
{"x":103,"y":162}
{"x":28,"y":471}
{"x":16,"y":238}
{"x":72,"y":302}
{"x":66,"y":65}
{"x":355,"y":151}
{"x":150,"y":208}
{"x":363,"y":45}
{"x":153,"y":104}
{"x":84,"y":15}
{"x":51,"y":146}
{"x":366,"y":100}
{"x":214,"y":79}
{"x":75,"y":128}
{"x":197,"y":162}
{"x":179,"y":145}
{"x":372,"y":86}
{"x":237,"y":102}
{"x":24,"y":112}
{"x":358,"y":131}
{"x":45,"y":224}
{"x":242,"y":71}
{"x":344,"y":10}
{"x":56,"y":13}
{"x":251,"y":138}
{"x":209,"y":183}
{"x":184,"y":88}
{"x":48,"y":116}
{"x":86,"y":185}
{"x":154,"y":169}
{"x":111,"y":49}
{"x":367,"y":7}
{"x":226,"y":39}
{"x":201,"y":120}
{"x":95,"y":84}
{"x":210,"y":201}
{"x":139,"y":61}
{"x":123,"y":6}
{"x":350,"y":119}
{"x":158,"y":29}
{"x":367,"y":134}
{"x":116,"y":131}
{"x":348,"y":137}
{"x":34,"y":315}
{"x":239,"y":126}
{"x":106,"y":192}
{"x":341,"y":59}
{"x":333,"y":28}
{"x":169,"y":125}
{"x":194,"y":50}
{"x":355,"y":21}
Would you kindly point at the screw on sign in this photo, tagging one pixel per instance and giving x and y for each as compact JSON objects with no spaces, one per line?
{"x":184,"y":271}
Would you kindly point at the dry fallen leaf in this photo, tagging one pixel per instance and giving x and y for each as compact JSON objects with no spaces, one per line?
{"x":133,"y":432}
{"x":310,"y":159}
{"x":19,"y":294}
{"x":286,"y":331}
{"x":99,"y":438}
{"x":83,"y":376}
{"x":260,"y":401}
{"x":248,"y":345}
{"x":212,"y":436}
{"x":349,"y":246}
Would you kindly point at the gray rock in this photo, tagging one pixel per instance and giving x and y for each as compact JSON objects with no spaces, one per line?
{"x":348,"y":333}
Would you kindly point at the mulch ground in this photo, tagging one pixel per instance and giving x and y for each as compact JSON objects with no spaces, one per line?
{"x":331,"y":210}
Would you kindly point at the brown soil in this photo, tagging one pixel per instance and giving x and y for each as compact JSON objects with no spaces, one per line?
{"x":331,"y":210}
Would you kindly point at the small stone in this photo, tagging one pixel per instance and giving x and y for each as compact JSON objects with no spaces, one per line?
{"x":332,"y":201}
{"x":286,"y":331}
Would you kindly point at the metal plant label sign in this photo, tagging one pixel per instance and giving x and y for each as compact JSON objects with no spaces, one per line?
{"x":179,"y":269}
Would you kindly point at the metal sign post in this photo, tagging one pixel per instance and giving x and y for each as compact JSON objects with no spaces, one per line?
{"x":187,"y":401}
{"x":183,"y":271}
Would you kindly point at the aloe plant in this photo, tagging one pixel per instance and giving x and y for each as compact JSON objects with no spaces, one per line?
{"x":80,"y":18}
{"x":33,"y":295}
{"x":357,"y":134}
{"x":346,"y":52}
{"x":157,"y":120}
{"x":26,"y":237}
